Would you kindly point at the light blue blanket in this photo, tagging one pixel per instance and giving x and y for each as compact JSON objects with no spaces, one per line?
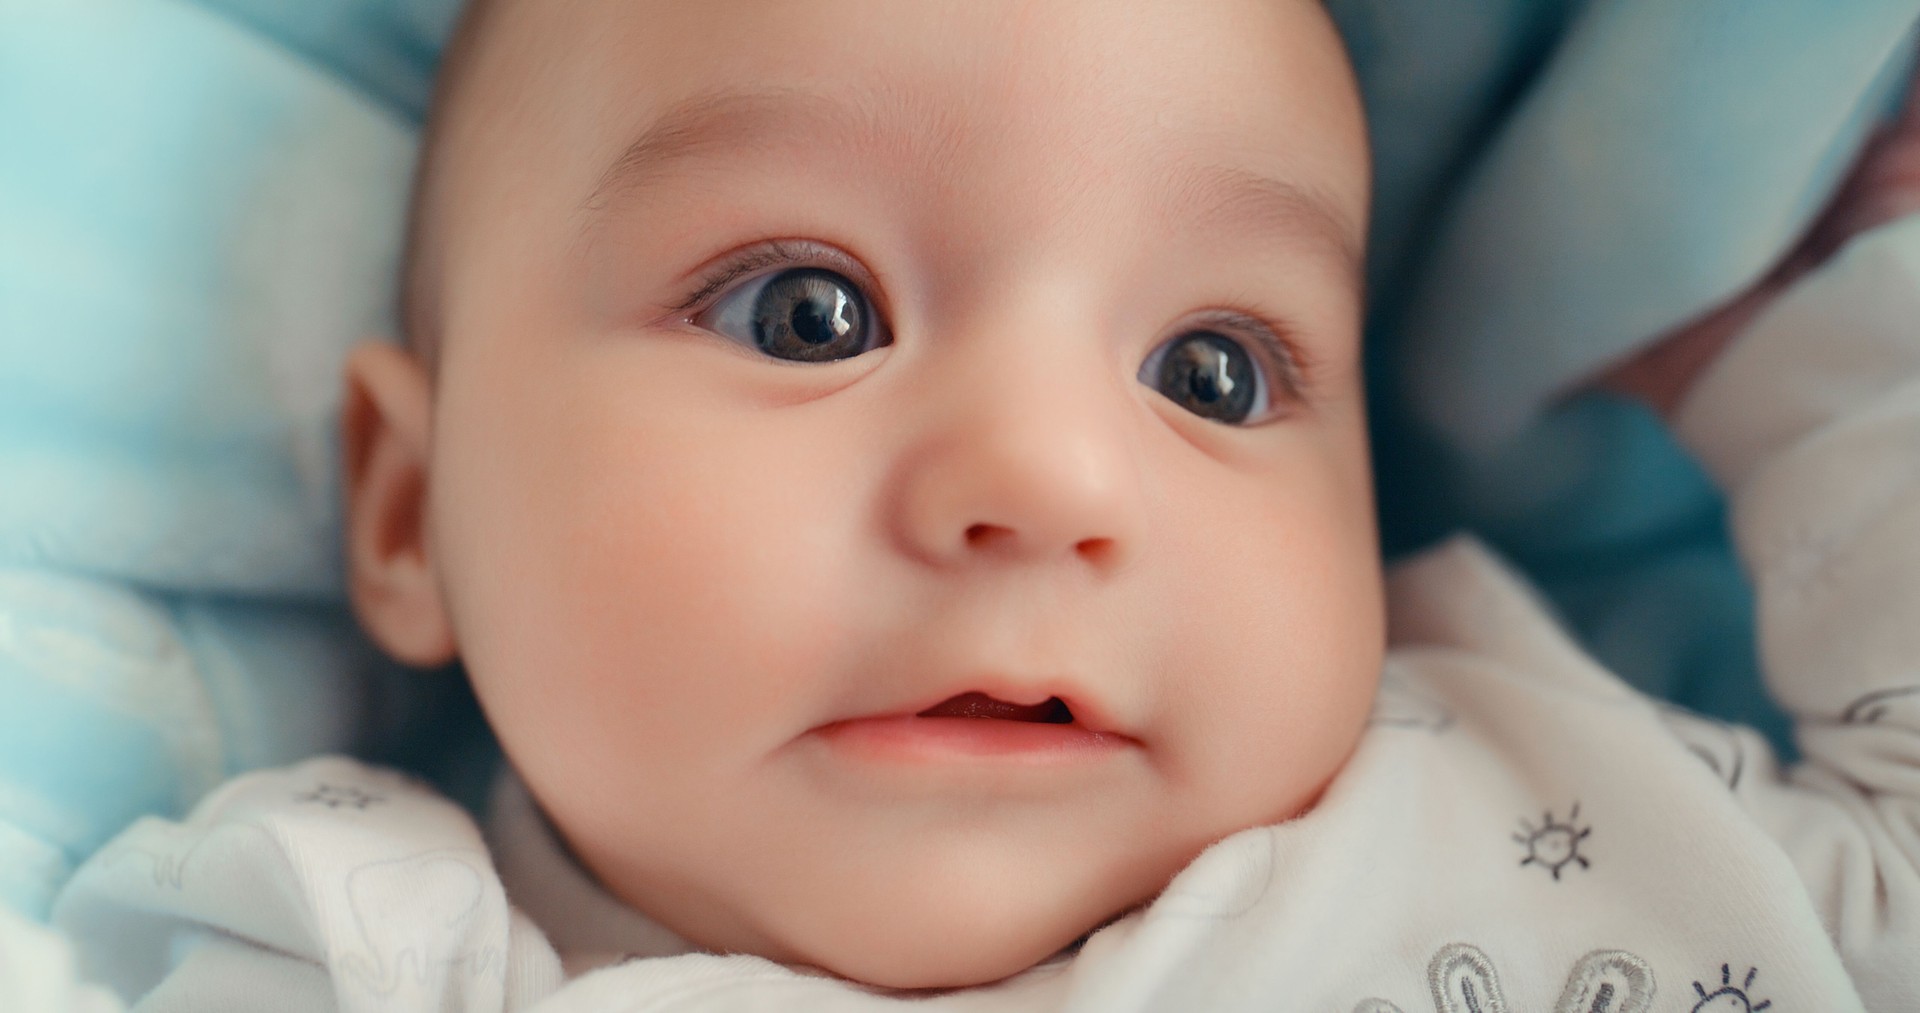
{"x":199,"y":212}
{"x":196,"y":219}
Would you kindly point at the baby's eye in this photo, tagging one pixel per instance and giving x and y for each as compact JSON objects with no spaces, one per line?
{"x":802,"y":314}
{"x":1210,"y":375}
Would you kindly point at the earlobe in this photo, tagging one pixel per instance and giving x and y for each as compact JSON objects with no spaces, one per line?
{"x":386,"y":435}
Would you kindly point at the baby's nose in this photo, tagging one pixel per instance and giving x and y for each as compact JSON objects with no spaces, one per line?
{"x":1015,"y":461}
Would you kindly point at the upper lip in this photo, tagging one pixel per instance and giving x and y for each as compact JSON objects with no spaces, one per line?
{"x":1088,"y":709}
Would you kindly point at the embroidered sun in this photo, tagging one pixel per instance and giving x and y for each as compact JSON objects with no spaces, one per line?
{"x":1729,"y":998}
{"x":1555,"y":845}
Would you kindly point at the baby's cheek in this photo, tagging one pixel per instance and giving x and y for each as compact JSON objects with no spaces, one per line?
{"x":1281,"y":665}
{"x":669,"y":593}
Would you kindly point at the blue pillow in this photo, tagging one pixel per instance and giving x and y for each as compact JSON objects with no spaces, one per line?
{"x":198,"y":222}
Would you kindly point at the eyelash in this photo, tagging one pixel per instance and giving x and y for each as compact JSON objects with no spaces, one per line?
{"x":772,"y":254}
{"x":1291,"y":366}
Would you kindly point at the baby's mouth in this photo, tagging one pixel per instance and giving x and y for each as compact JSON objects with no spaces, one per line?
{"x":1036,"y":737}
{"x":1053,"y":711}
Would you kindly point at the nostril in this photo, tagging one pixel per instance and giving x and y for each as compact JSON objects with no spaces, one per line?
{"x":981,"y":535}
{"x":1102,"y":552}
{"x":1098,"y":551}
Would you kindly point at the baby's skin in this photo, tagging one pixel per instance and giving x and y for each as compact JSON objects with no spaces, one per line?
{"x":781,"y":376}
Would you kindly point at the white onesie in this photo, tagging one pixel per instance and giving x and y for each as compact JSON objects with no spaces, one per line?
{"x":1517,"y":831}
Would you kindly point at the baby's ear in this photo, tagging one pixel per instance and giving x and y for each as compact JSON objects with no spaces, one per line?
{"x":386,"y":432}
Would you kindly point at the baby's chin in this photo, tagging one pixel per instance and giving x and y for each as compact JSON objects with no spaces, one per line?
{"x":935,"y":951}
{"x":952,"y":893}
{"x":941,"y":931}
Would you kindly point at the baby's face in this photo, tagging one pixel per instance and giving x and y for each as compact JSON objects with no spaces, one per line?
{"x":807,"y":366}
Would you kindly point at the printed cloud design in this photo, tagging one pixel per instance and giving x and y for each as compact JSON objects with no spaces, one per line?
{"x":1463,"y":981}
{"x":422,"y":921}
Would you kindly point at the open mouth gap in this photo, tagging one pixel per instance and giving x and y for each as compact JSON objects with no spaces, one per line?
{"x":1053,"y":711}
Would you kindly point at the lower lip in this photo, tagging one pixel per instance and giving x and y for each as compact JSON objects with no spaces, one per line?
{"x":934,"y":739}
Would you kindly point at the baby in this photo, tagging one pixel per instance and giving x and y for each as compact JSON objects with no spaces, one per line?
{"x":782,"y":377}
{"x":896,"y":478}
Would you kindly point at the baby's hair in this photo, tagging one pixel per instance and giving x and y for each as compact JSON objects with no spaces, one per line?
{"x":419,"y":309}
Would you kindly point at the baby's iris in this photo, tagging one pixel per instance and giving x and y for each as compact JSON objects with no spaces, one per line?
{"x":1208,"y":374}
{"x":805,"y":314}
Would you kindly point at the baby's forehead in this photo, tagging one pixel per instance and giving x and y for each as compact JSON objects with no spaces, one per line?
{"x":1248,"y":70}
{"x":704,"y":133}
{"x":605,"y":97}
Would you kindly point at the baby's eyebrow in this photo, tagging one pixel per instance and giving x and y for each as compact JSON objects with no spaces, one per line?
{"x":717,"y":121}
{"x":1231,"y":198}
{"x":1208,"y":197}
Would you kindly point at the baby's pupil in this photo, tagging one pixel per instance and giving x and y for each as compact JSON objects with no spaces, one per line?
{"x":1210,"y":375}
{"x":811,"y":315}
